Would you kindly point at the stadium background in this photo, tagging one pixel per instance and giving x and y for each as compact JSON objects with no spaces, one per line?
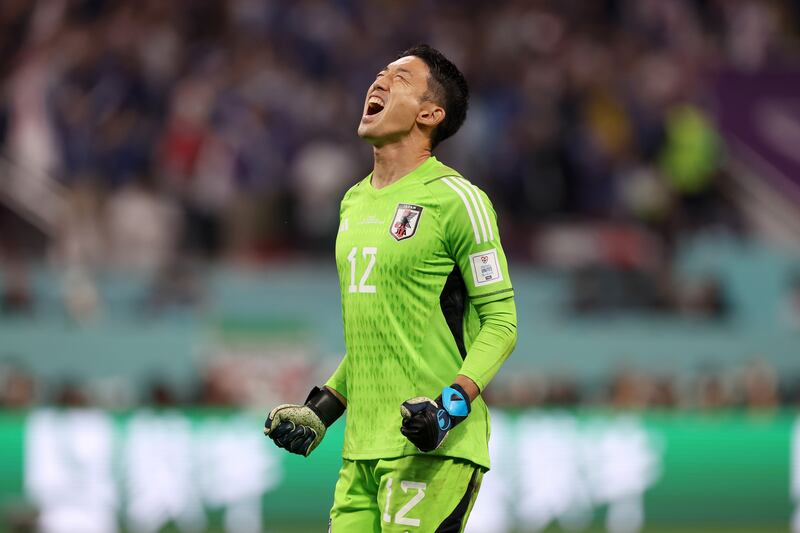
{"x":170,"y":174}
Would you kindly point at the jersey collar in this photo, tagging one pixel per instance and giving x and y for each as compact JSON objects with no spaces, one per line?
{"x":413,"y":176}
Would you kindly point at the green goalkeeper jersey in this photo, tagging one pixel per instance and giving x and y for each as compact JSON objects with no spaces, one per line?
{"x":413,"y":258}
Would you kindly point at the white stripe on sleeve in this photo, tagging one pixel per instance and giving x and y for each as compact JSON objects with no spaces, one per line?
{"x":464,"y":184}
{"x":466,"y":204}
{"x":483,"y":208}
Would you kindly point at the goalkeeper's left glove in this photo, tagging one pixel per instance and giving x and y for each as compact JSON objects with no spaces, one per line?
{"x":300,"y":428}
{"x":427,"y":422}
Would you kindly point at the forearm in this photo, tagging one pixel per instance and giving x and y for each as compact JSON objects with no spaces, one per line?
{"x":491,"y":347}
{"x":427,"y":422}
{"x":469,"y":386}
{"x":337,"y":383}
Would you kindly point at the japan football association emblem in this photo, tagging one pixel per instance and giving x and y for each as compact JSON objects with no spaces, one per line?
{"x":405,"y":222}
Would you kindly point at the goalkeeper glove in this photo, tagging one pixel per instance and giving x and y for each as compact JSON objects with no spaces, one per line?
{"x":427,"y":422}
{"x":300,"y":428}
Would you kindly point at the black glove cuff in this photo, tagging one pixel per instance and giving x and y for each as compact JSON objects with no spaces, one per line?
{"x":325,"y":405}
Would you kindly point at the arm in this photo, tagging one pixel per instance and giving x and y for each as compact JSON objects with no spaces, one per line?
{"x":337,"y":394}
{"x":427,"y":422}
{"x":492,"y":346}
{"x":337,"y":383}
{"x":300,"y":428}
{"x":472,"y":239}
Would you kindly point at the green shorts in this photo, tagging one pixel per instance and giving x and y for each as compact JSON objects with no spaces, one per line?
{"x":418,"y":493}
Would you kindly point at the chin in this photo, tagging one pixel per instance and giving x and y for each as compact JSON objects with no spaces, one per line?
{"x":368,"y":134}
{"x":377,"y":136}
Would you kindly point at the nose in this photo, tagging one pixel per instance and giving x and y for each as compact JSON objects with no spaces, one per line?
{"x":381,"y":84}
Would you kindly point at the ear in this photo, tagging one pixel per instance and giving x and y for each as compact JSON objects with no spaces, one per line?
{"x":431,"y":115}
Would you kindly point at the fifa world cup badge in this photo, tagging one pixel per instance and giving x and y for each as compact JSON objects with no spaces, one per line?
{"x":485,"y":268}
{"x":405,"y":221}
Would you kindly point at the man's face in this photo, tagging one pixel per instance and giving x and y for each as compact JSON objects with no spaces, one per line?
{"x":394,"y":101}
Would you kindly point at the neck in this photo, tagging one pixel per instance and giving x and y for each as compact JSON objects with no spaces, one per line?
{"x":395,"y":160}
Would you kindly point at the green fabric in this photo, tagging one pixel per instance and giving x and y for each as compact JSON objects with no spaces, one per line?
{"x":338,"y":380}
{"x":692,"y":152}
{"x":402,"y":494}
{"x":494,"y":343}
{"x":397,"y":340}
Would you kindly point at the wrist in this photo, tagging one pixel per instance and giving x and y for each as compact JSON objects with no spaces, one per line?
{"x":339,"y":395}
{"x":325,"y":405}
{"x":455,"y":401}
{"x":469,"y":384}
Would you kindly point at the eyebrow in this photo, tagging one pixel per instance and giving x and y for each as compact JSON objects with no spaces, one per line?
{"x":399,"y":69}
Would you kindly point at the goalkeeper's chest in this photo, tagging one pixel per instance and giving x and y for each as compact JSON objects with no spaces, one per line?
{"x":385,"y":241}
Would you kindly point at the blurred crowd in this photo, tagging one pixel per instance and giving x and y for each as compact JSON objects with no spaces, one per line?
{"x":159,"y":135}
{"x":226,"y":128}
{"x":754,"y":386}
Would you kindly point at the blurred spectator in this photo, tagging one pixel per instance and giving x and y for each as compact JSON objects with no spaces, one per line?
{"x":218,"y":388}
{"x":629,"y":390}
{"x":16,"y":296}
{"x":322,"y":172}
{"x":178,"y":285}
{"x":711,"y":392}
{"x":81,"y":298}
{"x":760,"y":386}
{"x":70,"y":394}
{"x":664,"y":395}
{"x":17,"y":387}
{"x":161,"y":394}
{"x":142,"y":227}
{"x":563,"y":391}
{"x":690,"y":157}
{"x":80,"y":241}
{"x":704,"y":298}
{"x":603,"y":290}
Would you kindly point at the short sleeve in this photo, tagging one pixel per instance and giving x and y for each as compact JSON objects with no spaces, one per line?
{"x":473,"y":240}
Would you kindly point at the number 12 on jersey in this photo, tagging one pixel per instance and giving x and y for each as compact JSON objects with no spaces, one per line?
{"x":368,"y":253}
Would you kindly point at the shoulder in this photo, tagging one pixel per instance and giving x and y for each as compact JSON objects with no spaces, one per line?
{"x":465,"y":209}
{"x":458,"y":195}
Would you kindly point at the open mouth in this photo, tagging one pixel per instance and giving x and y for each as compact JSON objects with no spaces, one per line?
{"x":374,"y":105}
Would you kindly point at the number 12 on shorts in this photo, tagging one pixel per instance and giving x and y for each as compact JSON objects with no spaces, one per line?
{"x":400,"y":517}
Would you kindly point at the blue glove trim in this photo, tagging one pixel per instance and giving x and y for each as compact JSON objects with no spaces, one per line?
{"x":443,"y":419}
{"x":455,"y":401}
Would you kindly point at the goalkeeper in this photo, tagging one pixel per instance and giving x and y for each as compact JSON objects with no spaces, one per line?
{"x":428,"y":313}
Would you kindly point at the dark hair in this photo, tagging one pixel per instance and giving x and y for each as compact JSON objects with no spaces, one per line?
{"x":446,"y":86}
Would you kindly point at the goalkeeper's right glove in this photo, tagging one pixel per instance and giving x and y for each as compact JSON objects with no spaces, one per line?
{"x":300,"y":428}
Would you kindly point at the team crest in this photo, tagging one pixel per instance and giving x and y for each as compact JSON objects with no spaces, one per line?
{"x":405,"y":222}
